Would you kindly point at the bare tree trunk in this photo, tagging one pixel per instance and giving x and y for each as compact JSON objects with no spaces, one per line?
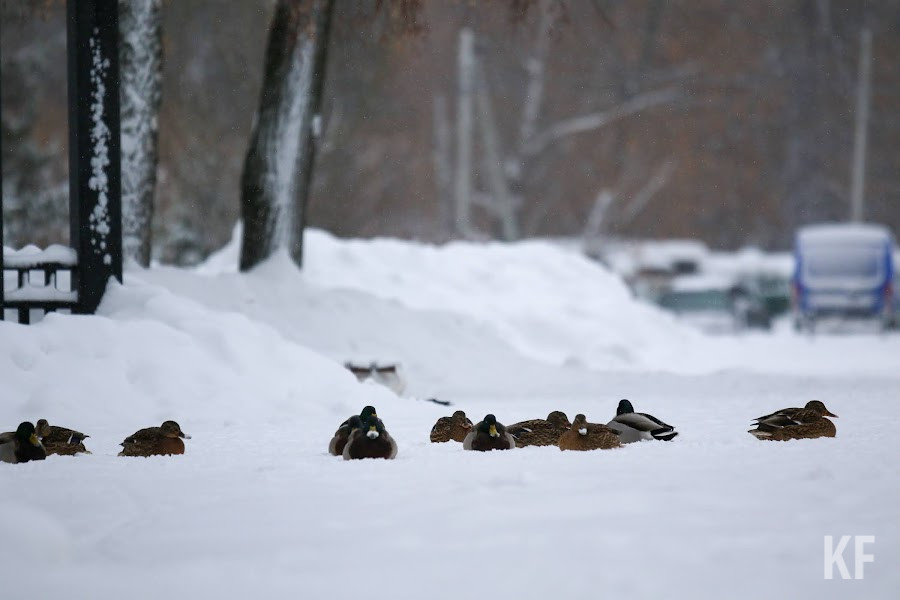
{"x":463,"y":184}
{"x":278,"y":166}
{"x":140,"y":60}
{"x":501,"y":205}
{"x":443,"y":163}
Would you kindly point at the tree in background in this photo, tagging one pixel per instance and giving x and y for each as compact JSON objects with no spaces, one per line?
{"x":140,"y":60}
{"x":279,"y":161}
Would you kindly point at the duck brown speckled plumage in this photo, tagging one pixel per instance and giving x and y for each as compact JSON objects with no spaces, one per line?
{"x":796,"y":423}
{"x":455,"y":428}
{"x":540,"y":432}
{"x":588,"y":436}
{"x":155,"y":441}
{"x":59,"y":440}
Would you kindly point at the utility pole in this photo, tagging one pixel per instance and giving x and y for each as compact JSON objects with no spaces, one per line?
{"x":861,"y":134}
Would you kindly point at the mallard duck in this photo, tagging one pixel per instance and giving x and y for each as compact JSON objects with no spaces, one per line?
{"x":540,"y":432}
{"x":634,"y":427}
{"x":488,"y":434}
{"x":339,"y":440}
{"x":342,"y":434}
{"x":370,"y":441}
{"x":588,"y":436}
{"x":162,"y":440}
{"x":21,"y":445}
{"x":455,"y":428}
{"x":59,"y":440}
{"x":796,"y":423}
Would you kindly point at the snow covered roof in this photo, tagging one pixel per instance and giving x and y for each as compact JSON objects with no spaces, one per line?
{"x":830,"y":233}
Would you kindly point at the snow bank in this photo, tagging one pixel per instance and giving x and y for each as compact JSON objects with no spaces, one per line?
{"x":149,"y":355}
{"x":549,"y":303}
{"x":468,"y":314}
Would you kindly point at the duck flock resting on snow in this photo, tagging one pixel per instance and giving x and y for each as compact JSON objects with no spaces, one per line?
{"x":364,"y":435}
{"x":36,"y":443}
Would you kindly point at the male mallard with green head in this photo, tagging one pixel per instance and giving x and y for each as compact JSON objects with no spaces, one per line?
{"x":455,"y":428}
{"x":339,"y":440}
{"x":588,"y":436}
{"x":488,"y":434}
{"x":635,"y":427}
{"x":21,"y":445}
{"x":370,"y":441}
{"x":796,"y":423}
{"x":540,"y":432}
{"x":154,"y":441}
{"x":59,"y":440}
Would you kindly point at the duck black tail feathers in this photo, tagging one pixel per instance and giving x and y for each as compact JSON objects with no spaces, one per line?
{"x":665,"y":434}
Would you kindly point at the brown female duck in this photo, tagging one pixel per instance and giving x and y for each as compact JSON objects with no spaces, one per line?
{"x":455,"y":428}
{"x":59,"y":440}
{"x":796,"y":423}
{"x":154,"y":441}
{"x":588,"y":436}
{"x":540,"y":432}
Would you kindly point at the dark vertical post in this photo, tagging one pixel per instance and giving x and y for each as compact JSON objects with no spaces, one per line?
{"x":95,"y":198}
{"x":2,"y":277}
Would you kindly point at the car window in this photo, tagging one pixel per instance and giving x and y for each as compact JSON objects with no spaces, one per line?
{"x":696,"y":301}
{"x":844,"y":262}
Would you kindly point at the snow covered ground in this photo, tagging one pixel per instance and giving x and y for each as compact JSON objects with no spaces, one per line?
{"x":250,"y":365}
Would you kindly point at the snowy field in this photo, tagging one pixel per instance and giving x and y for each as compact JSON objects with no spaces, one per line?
{"x":250,"y":366}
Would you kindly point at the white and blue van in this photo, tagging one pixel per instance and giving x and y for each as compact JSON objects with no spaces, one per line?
{"x":844,"y":270}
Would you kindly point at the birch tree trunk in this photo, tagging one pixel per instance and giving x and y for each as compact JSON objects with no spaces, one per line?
{"x":279,"y":161}
{"x":140,"y":92}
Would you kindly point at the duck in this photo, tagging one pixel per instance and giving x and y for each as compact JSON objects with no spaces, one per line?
{"x":796,"y":423}
{"x":59,"y":440}
{"x":454,"y":427}
{"x":342,"y":434}
{"x":588,"y":436}
{"x":154,"y":441}
{"x":540,"y":432}
{"x":488,"y":434}
{"x":339,"y":440}
{"x":635,"y":427}
{"x":370,"y":441}
{"x":365,"y":414}
{"x":21,"y":445}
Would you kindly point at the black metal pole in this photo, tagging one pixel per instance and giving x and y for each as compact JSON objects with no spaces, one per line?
{"x":2,"y":274}
{"x":95,"y":197}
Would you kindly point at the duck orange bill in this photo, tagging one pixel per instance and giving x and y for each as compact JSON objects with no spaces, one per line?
{"x":34,"y":440}
{"x":493,"y":431}
{"x":828,"y":413}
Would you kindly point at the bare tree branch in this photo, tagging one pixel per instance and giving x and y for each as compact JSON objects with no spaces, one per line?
{"x":600,"y":119}
{"x":645,"y":194}
{"x":597,"y":216}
